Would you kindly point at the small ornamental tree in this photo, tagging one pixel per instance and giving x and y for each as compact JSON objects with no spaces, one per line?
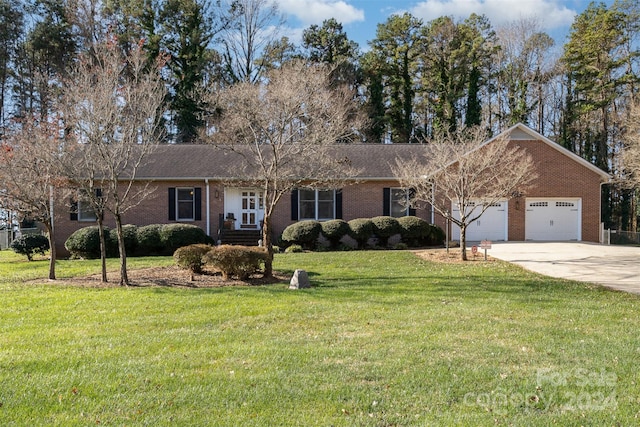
{"x":29,"y":173}
{"x":463,"y":169}
{"x":113,"y":120}
{"x":284,"y":127}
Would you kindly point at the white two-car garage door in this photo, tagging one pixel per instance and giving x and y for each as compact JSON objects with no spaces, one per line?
{"x":492,"y":225}
{"x":553,"y":219}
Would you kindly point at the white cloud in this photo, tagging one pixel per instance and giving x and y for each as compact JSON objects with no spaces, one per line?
{"x":550,"y":14}
{"x":315,"y":11}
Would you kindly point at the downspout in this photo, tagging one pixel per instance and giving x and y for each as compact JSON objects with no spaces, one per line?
{"x":208,"y":203}
{"x":433,"y":199}
{"x":600,"y":222}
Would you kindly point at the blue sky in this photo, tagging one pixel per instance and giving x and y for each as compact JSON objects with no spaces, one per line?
{"x":360,"y":17}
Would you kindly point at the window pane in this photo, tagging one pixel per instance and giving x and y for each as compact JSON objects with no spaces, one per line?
{"x":325,"y":210}
{"x":307,"y":195}
{"x":307,"y":209}
{"x":325,"y":195}
{"x":85,"y":211}
{"x":398,"y":202}
{"x":185,"y":210}
{"x":185,"y":203}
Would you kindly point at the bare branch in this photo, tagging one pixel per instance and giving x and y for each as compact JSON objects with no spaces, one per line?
{"x":286,"y":129}
{"x":463,"y":169}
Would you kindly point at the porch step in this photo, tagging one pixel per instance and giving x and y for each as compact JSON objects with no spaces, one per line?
{"x":241,"y":237}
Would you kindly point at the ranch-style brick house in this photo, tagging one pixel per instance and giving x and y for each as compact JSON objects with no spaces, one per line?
{"x":194,"y":184}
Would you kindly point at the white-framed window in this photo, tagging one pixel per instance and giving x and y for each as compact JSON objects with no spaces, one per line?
{"x":86,"y":212}
{"x":185,"y":204}
{"x":316,"y":204}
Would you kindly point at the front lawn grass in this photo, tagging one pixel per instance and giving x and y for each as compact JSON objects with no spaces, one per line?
{"x":382,"y":338}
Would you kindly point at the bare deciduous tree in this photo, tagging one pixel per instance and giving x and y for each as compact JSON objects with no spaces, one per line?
{"x":285,"y":129}
{"x":112,"y":111}
{"x":254,"y":24}
{"x":29,"y":177}
{"x":631,"y":153}
{"x":464,"y":170}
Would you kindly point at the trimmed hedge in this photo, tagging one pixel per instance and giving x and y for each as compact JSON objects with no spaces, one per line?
{"x":30,"y":244}
{"x":174,"y":236}
{"x":437,"y":236}
{"x":384,"y":227}
{"x":236,"y":261}
{"x":155,"y":239}
{"x":334,"y":231}
{"x":85,"y":243}
{"x":304,"y":233}
{"x":361,"y":230}
{"x":414,"y":231}
{"x":149,"y":241}
{"x":130,"y":238}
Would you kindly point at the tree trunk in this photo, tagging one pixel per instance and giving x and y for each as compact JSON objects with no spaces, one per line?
{"x":268,"y":244}
{"x":103,"y":249}
{"x":463,"y":242}
{"x":52,"y":250}
{"x":124,"y":278}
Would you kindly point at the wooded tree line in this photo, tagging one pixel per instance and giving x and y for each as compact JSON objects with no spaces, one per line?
{"x":415,"y":79}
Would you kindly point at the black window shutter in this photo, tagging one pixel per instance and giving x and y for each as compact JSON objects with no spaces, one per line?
{"x":412,"y":194}
{"x":73,"y":213}
{"x":197,"y":199}
{"x":386,"y":201}
{"x":172,"y":203}
{"x":338,"y":204}
{"x":294,"y":205}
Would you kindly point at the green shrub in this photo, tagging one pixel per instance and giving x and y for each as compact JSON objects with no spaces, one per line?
{"x":85,"y":243}
{"x":400,"y":246}
{"x":384,"y":227}
{"x":361,"y":230}
{"x":30,"y":244}
{"x":436,"y":237}
{"x":174,"y":236}
{"x":130,"y":234}
{"x":149,"y":241}
{"x":295,"y":248}
{"x":304,"y":233}
{"x":334,"y":231}
{"x":191,"y":257}
{"x":236,"y":261}
{"x":414,"y":231}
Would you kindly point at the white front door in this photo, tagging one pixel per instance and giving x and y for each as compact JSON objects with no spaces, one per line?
{"x":251,"y":206}
{"x":553,"y":219}
{"x":492,"y":225}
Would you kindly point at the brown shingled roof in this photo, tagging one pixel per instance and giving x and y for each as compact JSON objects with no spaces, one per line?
{"x":184,"y":161}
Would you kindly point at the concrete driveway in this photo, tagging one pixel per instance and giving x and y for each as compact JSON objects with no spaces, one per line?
{"x":616,"y":267}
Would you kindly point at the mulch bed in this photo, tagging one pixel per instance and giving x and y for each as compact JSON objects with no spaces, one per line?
{"x":167,"y":277}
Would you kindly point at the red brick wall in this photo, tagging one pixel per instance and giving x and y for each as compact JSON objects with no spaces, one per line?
{"x":558,"y":176}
